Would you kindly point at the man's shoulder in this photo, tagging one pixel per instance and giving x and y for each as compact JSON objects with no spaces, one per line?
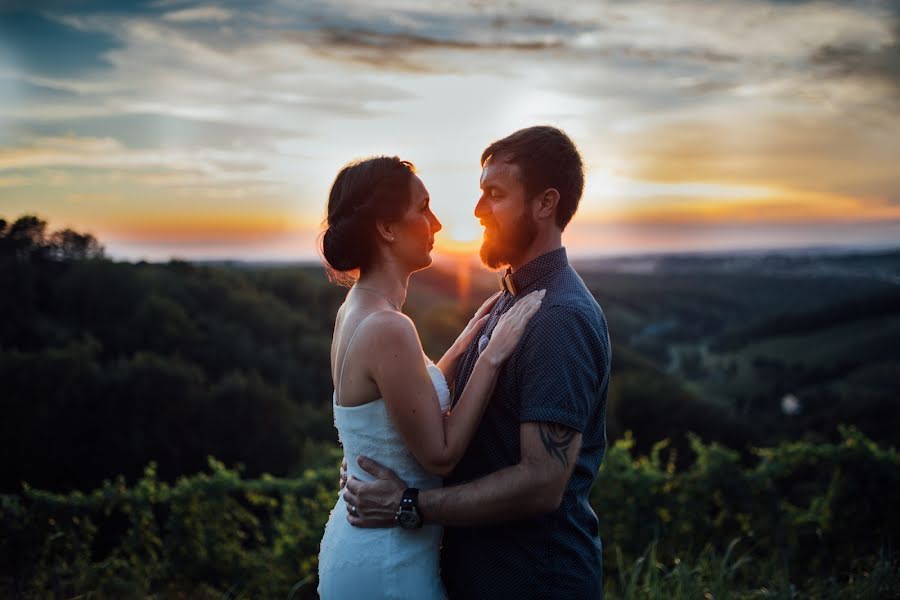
{"x":562,"y":316}
{"x":568,"y":310}
{"x":569,"y":294}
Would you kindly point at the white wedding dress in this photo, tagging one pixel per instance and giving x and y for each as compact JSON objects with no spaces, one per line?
{"x":380,"y":563}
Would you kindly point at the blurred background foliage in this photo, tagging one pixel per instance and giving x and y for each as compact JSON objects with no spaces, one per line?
{"x":751,"y":421}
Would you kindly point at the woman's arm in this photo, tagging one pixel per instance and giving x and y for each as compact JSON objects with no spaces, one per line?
{"x":438,"y":441}
{"x":447,"y":363}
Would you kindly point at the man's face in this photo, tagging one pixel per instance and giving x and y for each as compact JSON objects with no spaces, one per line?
{"x":503,"y":209}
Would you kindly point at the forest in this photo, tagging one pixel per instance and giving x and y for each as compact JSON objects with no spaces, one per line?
{"x":167,"y":427}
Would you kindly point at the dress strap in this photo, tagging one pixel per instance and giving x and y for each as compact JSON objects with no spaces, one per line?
{"x":346,"y":353}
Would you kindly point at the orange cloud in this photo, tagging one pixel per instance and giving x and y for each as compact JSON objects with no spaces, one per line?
{"x":790,"y":208}
{"x":202,"y":229}
{"x":815,"y":152}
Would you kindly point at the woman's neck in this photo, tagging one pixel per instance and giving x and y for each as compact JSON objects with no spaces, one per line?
{"x":391,"y":283}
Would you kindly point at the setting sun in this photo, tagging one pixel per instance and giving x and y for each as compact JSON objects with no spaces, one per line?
{"x":205,"y":133}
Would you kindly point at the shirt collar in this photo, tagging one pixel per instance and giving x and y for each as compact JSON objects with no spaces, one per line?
{"x":528,"y":274}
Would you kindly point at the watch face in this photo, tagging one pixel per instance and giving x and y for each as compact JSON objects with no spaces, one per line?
{"x":409,"y":519}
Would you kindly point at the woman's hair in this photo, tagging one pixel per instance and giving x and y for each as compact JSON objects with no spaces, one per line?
{"x":363,"y":191}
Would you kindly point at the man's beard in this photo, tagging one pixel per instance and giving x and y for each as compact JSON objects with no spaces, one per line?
{"x":499,"y":250}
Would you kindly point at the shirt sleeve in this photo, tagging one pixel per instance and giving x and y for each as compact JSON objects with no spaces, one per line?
{"x":560,"y":367}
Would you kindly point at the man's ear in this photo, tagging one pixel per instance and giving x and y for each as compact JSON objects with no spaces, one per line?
{"x":386,"y":229}
{"x":546,"y":203}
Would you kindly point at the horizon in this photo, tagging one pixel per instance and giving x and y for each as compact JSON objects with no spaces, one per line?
{"x":171,"y":128}
{"x":441,"y":259}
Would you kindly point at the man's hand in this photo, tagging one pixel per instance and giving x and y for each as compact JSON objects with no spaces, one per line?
{"x":374,"y":503}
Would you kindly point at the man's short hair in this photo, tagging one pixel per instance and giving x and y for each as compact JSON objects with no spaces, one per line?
{"x":546,"y":158}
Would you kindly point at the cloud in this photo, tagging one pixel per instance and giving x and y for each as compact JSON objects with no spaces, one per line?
{"x":235,"y":75}
{"x":148,"y":130}
{"x":592,"y":238}
{"x":203,"y":14}
{"x":15,"y":181}
{"x":879,"y":64}
{"x":93,"y":198}
{"x":660,"y":59}
{"x":785,"y":208}
{"x":810,"y":151}
{"x":184,"y":99}
{"x":109,"y":154}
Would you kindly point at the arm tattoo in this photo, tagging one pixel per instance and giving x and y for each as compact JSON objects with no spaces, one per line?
{"x":557,"y":439}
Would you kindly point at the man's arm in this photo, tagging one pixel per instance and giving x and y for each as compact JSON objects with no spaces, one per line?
{"x":530,"y":488}
{"x":556,"y":405}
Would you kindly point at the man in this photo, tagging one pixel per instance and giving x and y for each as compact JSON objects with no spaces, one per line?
{"x":515,"y":509}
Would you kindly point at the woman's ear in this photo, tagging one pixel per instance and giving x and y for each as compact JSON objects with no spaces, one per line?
{"x":546,"y":204}
{"x":386,"y":229}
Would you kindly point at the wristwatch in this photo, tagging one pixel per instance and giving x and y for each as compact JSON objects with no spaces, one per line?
{"x":408,"y":514}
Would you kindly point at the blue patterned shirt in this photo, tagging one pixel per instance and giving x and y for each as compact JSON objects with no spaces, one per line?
{"x":560,"y":374}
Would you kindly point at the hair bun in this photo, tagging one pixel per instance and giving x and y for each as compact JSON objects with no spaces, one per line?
{"x":339,"y":249}
{"x":363,"y":192}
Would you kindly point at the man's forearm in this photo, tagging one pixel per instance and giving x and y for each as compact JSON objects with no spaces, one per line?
{"x":505,"y":495}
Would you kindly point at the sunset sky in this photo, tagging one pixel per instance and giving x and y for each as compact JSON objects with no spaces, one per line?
{"x":175,"y":128}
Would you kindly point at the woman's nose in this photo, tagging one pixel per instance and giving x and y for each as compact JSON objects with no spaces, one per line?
{"x":435,"y":224}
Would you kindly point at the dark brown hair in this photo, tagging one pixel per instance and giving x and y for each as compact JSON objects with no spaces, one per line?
{"x":547,"y":158}
{"x":363,"y":191}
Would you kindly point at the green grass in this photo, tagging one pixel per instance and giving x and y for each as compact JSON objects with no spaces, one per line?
{"x":736,"y":574}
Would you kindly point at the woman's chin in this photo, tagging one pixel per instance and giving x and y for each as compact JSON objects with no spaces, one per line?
{"x":426,"y":262}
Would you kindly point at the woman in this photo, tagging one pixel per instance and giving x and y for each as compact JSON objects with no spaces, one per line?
{"x":390,"y":402}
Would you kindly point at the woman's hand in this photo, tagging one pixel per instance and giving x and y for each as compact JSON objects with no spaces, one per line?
{"x":475,"y":323}
{"x":511,"y":326}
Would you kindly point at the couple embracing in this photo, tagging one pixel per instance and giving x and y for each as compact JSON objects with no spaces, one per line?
{"x":468,"y":478}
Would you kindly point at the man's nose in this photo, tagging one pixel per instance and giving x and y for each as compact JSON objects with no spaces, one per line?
{"x":435,"y":224}
{"x":481,"y":208}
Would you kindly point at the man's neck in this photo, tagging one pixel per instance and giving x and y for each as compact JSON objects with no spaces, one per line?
{"x":541,"y":246}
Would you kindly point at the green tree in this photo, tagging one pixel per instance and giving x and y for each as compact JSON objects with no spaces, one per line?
{"x":71,"y":245}
{"x":26,"y":238}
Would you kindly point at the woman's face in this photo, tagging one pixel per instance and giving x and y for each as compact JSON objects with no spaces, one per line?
{"x":415,"y":236}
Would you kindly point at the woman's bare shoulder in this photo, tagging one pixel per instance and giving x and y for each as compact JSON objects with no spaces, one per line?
{"x":390,"y":326}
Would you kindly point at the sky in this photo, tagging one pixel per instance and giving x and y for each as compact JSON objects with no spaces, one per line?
{"x":196,"y":130}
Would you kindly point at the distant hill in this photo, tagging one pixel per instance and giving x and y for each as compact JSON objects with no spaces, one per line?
{"x":106,"y":366}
